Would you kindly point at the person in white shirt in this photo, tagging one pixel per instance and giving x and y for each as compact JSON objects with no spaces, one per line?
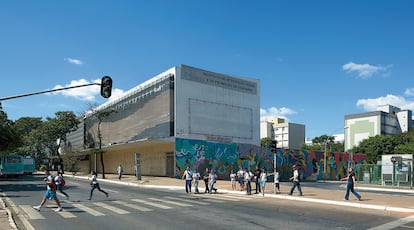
{"x":247,"y":179}
{"x":295,"y":181}
{"x":276,"y":181}
{"x":196,"y":178}
{"x":188,"y":176}
{"x":233,"y":179}
{"x":212,"y":178}
{"x":50,"y":192}
{"x":58,"y":182}
{"x":263,"y":179}
{"x":95,"y":185}
{"x":120,"y":170}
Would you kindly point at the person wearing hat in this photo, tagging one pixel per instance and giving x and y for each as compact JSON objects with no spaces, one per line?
{"x":295,"y":181}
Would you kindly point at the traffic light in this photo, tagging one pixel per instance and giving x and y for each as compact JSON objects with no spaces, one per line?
{"x":273,"y":145}
{"x":106,"y":86}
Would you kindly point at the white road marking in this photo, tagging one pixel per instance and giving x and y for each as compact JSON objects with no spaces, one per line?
{"x":133,"y":206}
{"x":394,"y":224}
{"x":88,"y":210}
{"x":112,"y":208}
{"x":152,"y":204}
{"x":188,"y":200}
{"x":32,"y":213}
{"x":171,"y":202}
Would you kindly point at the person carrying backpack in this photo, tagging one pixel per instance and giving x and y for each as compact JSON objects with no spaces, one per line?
{"x":60,"y":183}
{"x":50,"y":192}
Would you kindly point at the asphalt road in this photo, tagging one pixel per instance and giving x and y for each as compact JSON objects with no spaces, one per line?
{"x":131,"y":207}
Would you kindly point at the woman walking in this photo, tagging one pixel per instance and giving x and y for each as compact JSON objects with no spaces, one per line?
{"x":351,"y":182}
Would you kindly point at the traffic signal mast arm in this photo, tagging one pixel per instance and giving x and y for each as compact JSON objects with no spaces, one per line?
{"x":105,"y":92}
{"x":47,"y":91}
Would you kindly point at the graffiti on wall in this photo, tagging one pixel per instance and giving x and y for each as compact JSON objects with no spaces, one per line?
{"x":224,"y":157}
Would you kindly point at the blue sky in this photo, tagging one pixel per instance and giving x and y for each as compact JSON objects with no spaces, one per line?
{"x":317,"y":61}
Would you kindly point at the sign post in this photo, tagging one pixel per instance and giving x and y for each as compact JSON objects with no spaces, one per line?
{"x":138,"y":165}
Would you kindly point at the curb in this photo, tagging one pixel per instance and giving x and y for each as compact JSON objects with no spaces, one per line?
{"x":287,"y":197}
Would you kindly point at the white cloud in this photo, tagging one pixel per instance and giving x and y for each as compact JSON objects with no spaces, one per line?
{"x":275,"y":112}
{"x":371,"y":104}
{"x":409,"y":92}
{"x":364,"y":70}
{"x":74,"y":61}
{"x":86,"y":93}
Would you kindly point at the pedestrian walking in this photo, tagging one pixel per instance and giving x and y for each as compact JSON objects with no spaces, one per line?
{"x":188,"y":176}
{"x":58,"y":181}
{"x":212,"y":180}
{"x":240,"y":177}
{"x":263,"y":179}
{"x":351,"y":183}
{"x":206,"y":178}
{"x":233,"y":179}
{"x":295,"y":181}
{"x":256,"y":179}
{"x":196,"y":178}
{"x":95,"y":185}
{"x":276,"y":180}
{"x":50,"y":192}
{"x":247,"y":179}
{"x":119,"y":170}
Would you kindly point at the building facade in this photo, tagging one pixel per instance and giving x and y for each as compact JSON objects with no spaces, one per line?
{"x":158,"y":118}
{"x":387,"y":120}
{"x":288,"y":135}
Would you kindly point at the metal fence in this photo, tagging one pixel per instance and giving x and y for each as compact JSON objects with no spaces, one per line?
{"x":372,"y":174}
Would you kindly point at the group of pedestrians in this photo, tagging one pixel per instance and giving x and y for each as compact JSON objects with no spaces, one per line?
{"x":54,"y":183}
{"x":245,"y":178}
{"x":209,"y":178}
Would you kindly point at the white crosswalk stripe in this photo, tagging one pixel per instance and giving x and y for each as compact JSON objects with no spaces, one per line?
{"x":204,"y":198}
{"x":32,"y":213}
{"x":88,"y":210}
{"x":133,"y":206}
{"x":152,"y":204}
{"x":66,"y":214}
{"x":188,"y":200}
{"x":111,"y":208}
{"x":171,"y":202}
{"x":145,"y":205}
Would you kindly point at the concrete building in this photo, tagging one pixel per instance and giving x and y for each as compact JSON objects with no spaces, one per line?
{"x":288,"y":135}
{"x":387,"y":120}
{"x":153,"y":122}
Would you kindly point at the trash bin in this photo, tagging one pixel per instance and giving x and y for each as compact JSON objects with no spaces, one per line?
{"x":366,"y":177}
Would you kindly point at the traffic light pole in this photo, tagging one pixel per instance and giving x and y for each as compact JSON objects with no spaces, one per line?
{"x":47,"y":91}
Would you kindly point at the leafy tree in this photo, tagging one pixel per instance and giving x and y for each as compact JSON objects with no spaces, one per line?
{"x":48,"y":136}
{"x":9,"y":140}
{"x":266,"y":142}
{"x":375,"y":147}
{"x":101,"y":116}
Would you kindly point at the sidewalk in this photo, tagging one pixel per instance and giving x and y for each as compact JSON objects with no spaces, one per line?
{"x":390,"y":199}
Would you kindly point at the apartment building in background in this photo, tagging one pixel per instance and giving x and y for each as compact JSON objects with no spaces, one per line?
{"x":386,"y":120}
{"x":288,"y":135}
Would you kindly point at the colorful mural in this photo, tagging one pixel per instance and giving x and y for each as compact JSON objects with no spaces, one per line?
{"x":223,"y":157}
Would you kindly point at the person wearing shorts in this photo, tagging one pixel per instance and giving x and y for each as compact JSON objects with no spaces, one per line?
{"x":50,"y":192}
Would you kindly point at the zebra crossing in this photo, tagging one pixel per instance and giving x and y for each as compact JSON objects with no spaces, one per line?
{"x":109,"y":207}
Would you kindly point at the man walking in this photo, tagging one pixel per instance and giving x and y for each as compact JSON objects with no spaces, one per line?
{"x":188,"y":176}
{"x":196,"y":178}
{"x":95,"y":185}
{"x":120,"y":170}
{"x":50,"y":192}
{"x":205,"y":178}
{"x":295,"y":181}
